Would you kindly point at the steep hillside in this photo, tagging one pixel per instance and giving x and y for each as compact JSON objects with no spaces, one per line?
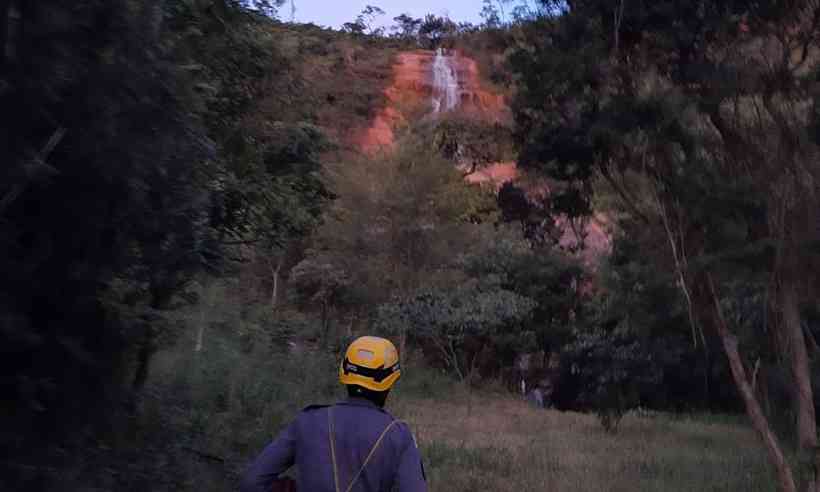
{"x":432,"y":85}
{"x":202,"y":206}
{"x":412,"y":92}
{"x":335,"y":80}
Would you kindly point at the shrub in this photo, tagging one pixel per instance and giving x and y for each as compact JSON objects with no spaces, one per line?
{"x":610,"y":370}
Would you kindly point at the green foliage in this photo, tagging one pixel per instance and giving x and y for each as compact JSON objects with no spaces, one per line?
{"x":632,"y":343}
{"x":136,"y":154}
{"x":364,"y":22}
{"x":392,"y":229}
{"x":461,"y":323}
{"x":612,"y":370}
{"x":270,"y":189}
{"x":473,"y":141}
{"x":94,"y":101}
{"x":668,"y":115}
{"x":148,"y":142}
{"x":407,"y":27}
{"x":549,"y":278}
{"x":509,"y":299}
{"x":491,"y":14}
{"x":434,"y":30}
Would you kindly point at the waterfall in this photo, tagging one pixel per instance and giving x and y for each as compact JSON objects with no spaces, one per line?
{"x":445,"y":83}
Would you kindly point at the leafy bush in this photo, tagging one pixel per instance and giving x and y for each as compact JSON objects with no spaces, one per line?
{"x":460,"y":324}
{"x":610,"y":370}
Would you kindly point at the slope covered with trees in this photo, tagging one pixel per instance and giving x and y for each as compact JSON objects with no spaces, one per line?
{"x":189,"y":229}
{"x":695,"y":123}
{"x":146,"y":146}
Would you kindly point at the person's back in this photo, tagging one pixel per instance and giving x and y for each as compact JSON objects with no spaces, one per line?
{"x":369,"y":450}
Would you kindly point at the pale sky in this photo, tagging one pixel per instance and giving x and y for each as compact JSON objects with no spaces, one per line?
{"x":334,"y":13}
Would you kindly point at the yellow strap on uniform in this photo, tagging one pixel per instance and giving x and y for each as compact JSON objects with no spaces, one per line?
{"x":332,"y":448}
{"x":366,"y":460}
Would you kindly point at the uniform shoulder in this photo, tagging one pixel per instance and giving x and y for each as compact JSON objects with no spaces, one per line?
{"x":404,"y":431}
{"x":311,"y":408}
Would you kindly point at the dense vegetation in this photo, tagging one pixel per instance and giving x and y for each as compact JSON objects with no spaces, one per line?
{"x":694,"y":124}
{"x":147,"y":148}
{"x":187,"y":232}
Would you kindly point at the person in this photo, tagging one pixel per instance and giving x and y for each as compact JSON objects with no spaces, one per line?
{"x":354,"y":445}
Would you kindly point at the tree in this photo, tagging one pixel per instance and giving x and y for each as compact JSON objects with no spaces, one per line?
{"x":434,"y":30}
{"x":320,"y":285}
{"x":103,"y":160}
{"x":612,"y":371}
{"x":267,"y":7}
{"x":407,"y":27}
{"x":363,"y":24}
{"x":395,"y":226}
{"x":494,"y":12}
{"x":549,"y":277}
{"x":491,"y":15}
{"x":694,"y":144}
{"x":461,"y":324}
{"x":132,"y":163}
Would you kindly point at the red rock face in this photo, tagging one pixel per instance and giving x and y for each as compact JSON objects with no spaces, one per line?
{"x":410,"y":95}
{"x":496,"y":174}
{"x":597,"y":240}
{"x":410,"y":88}
{"x":476,"y":99}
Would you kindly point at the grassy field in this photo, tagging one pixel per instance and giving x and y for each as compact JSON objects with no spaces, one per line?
{"x":503,"y":444}
{"x":492,"y":440}
{"x":212,"y":412}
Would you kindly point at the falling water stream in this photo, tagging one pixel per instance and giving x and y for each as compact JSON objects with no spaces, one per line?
{"x":445,"y":83}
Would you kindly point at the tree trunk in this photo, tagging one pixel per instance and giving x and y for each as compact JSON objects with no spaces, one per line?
{"x":763,"y":391}
{"x":20,"y":13}
{"x":205,"y":303}
{"x":200,"y":336}
{"x":759,"y":422}
{"x":325,"y":323}
{"x":143,"y":361}
{"x":799,"y":358}
{"x":802,"y":393}
{"x":402,"y":343}
{"x":160,"y":299}
{"x":274,"y":295}
{"x":4,"y":32}
{"x":618,"y":18}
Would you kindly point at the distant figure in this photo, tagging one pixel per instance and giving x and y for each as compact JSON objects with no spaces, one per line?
{"x":523,"y":388}
{"x":537,"y":397}
{"x":354,"y":445}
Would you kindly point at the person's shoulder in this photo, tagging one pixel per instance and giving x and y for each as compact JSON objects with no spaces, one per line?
{"x":405,"y":434}
{"x":311,"y":408}
{"x":311,"y":412}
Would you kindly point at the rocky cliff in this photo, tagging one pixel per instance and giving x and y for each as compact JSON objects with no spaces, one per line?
{"x":426,"y":84}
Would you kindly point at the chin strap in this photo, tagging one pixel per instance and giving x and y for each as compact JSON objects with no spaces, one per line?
{"x":367,"y":460}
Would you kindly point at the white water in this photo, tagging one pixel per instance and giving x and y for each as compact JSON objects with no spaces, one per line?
{"x":445,"y":83}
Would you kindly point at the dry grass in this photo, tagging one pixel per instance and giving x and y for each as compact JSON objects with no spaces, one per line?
{"x":504,"y":444}
{"x":229,"y":404}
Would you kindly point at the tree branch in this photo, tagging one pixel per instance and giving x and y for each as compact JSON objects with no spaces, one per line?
{"x":39,"y":159}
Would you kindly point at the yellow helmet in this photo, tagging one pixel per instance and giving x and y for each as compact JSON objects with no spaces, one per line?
{"x":372,"y":363}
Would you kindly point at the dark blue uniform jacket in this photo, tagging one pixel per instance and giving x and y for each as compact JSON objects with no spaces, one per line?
{"x":357,"y":423}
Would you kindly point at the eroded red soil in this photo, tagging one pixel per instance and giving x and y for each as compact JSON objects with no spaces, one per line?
{"x":409,"y":96}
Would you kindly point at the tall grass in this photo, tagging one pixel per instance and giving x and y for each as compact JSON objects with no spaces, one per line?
{"x":205,"y":414}
{"x":506,"y":445}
